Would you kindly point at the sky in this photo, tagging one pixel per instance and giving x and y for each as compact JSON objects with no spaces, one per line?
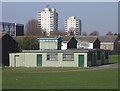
{"x":99,"y":16}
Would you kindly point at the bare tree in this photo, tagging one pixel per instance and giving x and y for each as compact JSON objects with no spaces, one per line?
{"x":58,"y":32}
{"x":84,"y":33}
{"x":94,"y":33}
{"x":109,"y":33}
{"x":32,"y":28}
{"x":115,"y":34}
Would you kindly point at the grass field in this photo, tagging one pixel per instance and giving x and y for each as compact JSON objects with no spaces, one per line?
{"x":114,"y":58}
{"x":94,"y":79}
{"x":38,"y":78}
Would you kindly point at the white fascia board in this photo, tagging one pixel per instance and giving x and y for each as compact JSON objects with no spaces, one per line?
{"x":106,"y":43}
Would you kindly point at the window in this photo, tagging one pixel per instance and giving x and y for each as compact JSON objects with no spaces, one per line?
{"x":104,"y":46}
{"x":109,"y":46}
{"x":98,"y":55}
{"x":52,"y":56}
{"x":68,"y":57}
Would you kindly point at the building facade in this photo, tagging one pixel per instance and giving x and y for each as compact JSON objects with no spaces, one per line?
{"x":72,"y":26}
{"x":109,"y":43}
{"x":59,"y":58}
{"x":12,"y":29}
{"x":9,"y":45}
{"x":48,"y":20}
{"x":88,"y":42}
{"x":49,"y":43}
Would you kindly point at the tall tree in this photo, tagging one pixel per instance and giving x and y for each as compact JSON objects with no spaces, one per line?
{"x":94,"y":33}
{"x":58,"y":32}
{"x":32,"y":28}
{"x":109,"y":33}
{"x":84,"y":33}
{"x":28,"y":43}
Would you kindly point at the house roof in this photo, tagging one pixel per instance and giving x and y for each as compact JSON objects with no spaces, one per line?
{"x":66,"y":38}
{"x":107,"y":38}
{"x":1,"y":35}
{"x":90,"y":39}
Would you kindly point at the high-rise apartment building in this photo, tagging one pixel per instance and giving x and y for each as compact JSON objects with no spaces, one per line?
{"x":72,"y":26}
{"x":48,"y":20}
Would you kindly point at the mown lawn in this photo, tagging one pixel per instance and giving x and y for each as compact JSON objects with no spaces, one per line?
{"x":114,"y":58}
{"x":94,"y":79}
{"x":40,"y":69}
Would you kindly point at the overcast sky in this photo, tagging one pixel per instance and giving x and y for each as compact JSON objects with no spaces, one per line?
{"x":100,"y":16}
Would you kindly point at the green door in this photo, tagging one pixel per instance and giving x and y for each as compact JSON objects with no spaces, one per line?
{"x":81,"y":60}
{"x":39,"y":60}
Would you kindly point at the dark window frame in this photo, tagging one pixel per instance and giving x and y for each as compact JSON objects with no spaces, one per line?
{"x":68,"y":56}
{"x":52,"y":56}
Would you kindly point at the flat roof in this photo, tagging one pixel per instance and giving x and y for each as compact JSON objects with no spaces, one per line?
{"x":9,"y":23}
{"x":48,"y":38}
{"x":58,"y":51}
{"x":61,"y":51}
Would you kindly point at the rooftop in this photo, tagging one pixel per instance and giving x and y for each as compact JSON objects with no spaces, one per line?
{"x":48,"y":38}
{"x":90,"y":39}
{"x":108,"y":38}
{"x":60,"y":51}
{"x":8,"y":23}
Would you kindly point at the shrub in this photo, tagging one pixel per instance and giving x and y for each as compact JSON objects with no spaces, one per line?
{"x":28,"y":43}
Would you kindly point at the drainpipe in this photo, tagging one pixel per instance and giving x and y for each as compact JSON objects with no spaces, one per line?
{"x":15,"y":30}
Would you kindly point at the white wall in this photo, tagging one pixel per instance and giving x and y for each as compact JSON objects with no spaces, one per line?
{"x":85,"y":45}
{"x":64,"y":46}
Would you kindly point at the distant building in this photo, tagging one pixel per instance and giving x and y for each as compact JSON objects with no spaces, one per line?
{"x":88,"y":42}
{"x":109,"y":42}
{"x":72,"y":26}
{"x":8,"y":45}
{"x":48,"y":20}
{"x":12,"y":29}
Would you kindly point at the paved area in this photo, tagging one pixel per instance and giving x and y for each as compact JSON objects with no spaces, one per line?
{"x":108,"y":66}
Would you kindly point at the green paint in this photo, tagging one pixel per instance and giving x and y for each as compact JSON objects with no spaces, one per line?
{"x":81,"y":60}
{"x":94,"y":56}
{"x":103,"y":59}
{"x":39,"y":60}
